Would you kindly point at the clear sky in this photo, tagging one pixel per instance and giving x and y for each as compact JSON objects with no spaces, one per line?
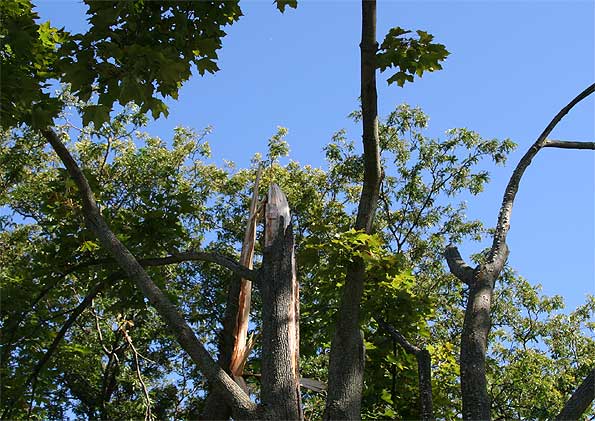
{"x":513,"y":66}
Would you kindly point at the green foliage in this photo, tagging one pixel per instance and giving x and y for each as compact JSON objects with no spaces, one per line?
{"x":411,"y":56}
{"x":28,"y":53}
{"x":142,"y":51}
{"x":134,"y":51}
{"x":164,"y":196}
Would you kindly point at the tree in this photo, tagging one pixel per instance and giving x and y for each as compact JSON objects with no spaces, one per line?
{"x":481,"y":279}
{"x":149,"y":209}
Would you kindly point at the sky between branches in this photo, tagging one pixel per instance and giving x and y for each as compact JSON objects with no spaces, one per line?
{"x":513,"y":65}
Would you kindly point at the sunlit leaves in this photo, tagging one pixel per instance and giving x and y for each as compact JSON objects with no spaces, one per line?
{"x":411,"y":56}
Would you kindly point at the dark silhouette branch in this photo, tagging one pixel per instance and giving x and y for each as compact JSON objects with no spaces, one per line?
{"x":580,"y":400}
{"x":424,"y":369}
{"x":220,"y":259}
{"x":233,"y":394}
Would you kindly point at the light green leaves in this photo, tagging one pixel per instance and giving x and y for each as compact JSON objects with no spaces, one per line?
{"x":410,"y":55}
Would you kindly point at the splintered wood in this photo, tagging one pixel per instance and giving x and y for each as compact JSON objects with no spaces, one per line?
{"x":242,"y":345}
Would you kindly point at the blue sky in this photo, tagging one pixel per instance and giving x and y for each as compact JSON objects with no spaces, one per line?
{"x":513,"y":65}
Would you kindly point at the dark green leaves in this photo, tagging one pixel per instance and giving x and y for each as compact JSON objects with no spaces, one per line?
{"x":27,"y":55}
{"x":411,"y":56}
{"x":281,"y":4}
{"x":142,"y":52}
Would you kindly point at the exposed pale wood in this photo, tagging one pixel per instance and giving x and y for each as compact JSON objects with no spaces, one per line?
{"x":240,"y":351}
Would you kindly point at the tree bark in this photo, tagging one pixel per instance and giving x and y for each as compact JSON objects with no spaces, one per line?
{"x":242,"y":406}
{"x":481,"y":279}
{"x":346,"y":368}
{"x":280,"y":389}
{"x":580,"y":400}
{"x":216,"y":409}
{"x":424,"y":370}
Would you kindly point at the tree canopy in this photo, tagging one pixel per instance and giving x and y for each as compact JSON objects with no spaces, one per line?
{"x":120,"y":266}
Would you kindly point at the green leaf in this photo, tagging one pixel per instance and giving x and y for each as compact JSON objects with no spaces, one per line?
{"x":281,"y":4}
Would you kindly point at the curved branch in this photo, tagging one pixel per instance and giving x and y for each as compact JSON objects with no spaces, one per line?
{"x":396,"y":335}
{"x":580,"y":399}
{"x":220,"y":259}
{"x":232,"y":393}
{"x":457,"y":265}
{"x":424,"y":369}
{"x":498,"y":250}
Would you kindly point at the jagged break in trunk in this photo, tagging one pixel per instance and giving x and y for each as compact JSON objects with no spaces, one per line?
{"x":280,"y":390}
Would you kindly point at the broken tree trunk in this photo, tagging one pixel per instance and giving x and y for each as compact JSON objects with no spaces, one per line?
{"x":234,"y":349}
{"x":280,"y":391}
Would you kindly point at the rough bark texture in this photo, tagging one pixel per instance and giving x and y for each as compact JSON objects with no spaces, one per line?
{"x":242,"y":406}
{"x":476,"y":327}
{"x":424,"y":370}
{"x":580,"y":400}
{"x":346,"y":368}
{"x":280,"y":389}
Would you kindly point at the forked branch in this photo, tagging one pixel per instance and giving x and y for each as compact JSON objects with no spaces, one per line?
{"x":499,"y":244}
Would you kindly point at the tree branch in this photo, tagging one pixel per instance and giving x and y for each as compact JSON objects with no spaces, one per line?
{"x":220,"y":259}
{"x":32,"y":379}
{"x":424,"y":369}
{"x":580,"y":399}
{"x":396,"y":335}
{"x":567,"y":144}
{"x":457,"y":265}
{"x":498,"y":249}
{"x":233,"y":394}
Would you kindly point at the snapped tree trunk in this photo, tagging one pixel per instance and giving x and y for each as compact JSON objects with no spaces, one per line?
{"x":346,"y":370}
{"x":233,"y":347}
{"x":280,"y":389}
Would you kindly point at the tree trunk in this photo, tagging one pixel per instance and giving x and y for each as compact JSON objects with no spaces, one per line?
{"x":424,"y":369}
{"x":580,"y":400}
{"x":481,"y":279}
{"x":476,"y":402}
{"x":280,"y":390}
{"x":346,"y":370}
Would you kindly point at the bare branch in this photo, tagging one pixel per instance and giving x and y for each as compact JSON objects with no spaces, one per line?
{"x":580,"y":399}
{"x":396,"y":335}
{"x":233,"y":394}
{"x":220,"y":259}
{"x":424,"y":369}
{"x":139,"y":375}
{"x":567,"y":144}
{"x":457,"y":265}
{"x":498,"y":246}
